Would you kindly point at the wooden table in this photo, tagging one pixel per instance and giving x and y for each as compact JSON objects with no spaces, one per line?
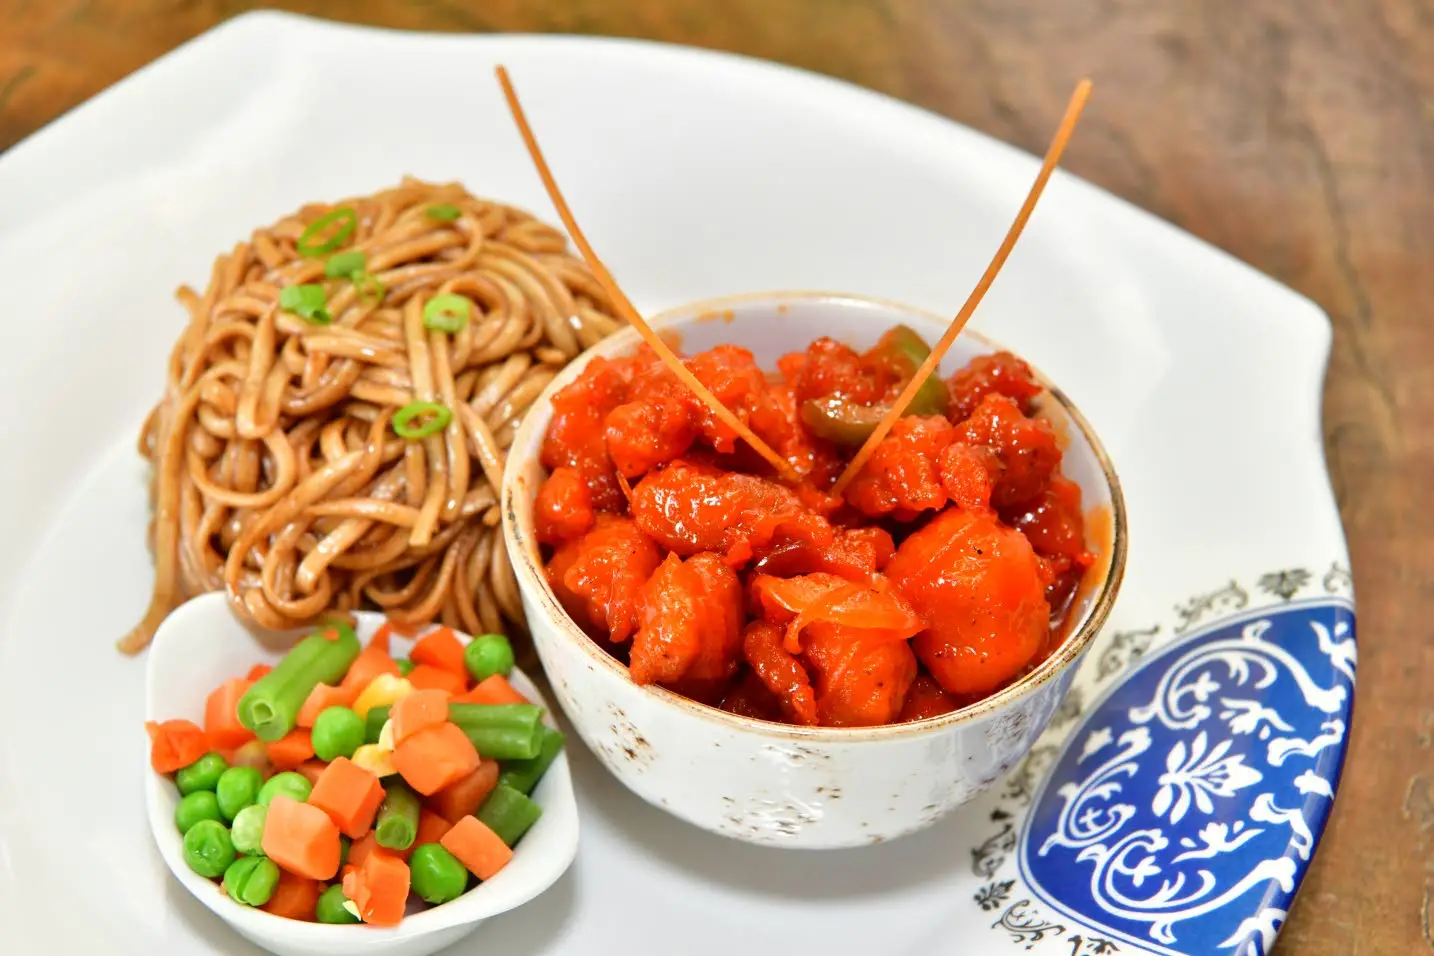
{"x":1297,"y":135}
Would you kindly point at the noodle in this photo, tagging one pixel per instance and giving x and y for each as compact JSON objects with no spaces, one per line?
{"x":277,"y":474}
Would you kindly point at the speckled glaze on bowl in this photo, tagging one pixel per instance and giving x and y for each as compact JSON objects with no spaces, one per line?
{"x":773,"y":784}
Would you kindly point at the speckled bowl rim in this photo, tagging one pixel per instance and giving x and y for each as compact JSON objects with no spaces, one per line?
{"x":531,"y":577}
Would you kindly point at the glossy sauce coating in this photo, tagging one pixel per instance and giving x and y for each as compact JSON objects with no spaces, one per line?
{"x":934,"y":580}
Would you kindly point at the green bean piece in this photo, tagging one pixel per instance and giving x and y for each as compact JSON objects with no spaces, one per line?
{"x":208,"y":849}
{"x":396,"y":825}
{"x":436,"y":875}
{"x":195,"y":807}
{"x":251,"y":880}
{"x":509,"y":814}
{"x":338,"y":732}
{"x":290,"y":782}
{"x":271,"y":707}
{"x":523,"y":775}
{"x":238,"y":788}
{"x":248,"y":831}
{"x":373,"y":724}
{"x":330,"y":908}
{"x":500,"y":731}
{"x":203,"y":774}
{"x":405,"y":666}
{"x":488,"y":654}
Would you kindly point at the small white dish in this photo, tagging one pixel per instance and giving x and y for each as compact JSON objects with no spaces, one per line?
{"x":775,"y":784}
{"x":201,"y":645}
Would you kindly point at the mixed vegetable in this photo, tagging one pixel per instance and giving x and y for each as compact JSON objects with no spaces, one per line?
{"x":342,"y":781}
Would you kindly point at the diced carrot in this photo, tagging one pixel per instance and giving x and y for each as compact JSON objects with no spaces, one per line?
{"x":257,"y":671}
{"x":418,"y":711}
{"x":254,"y":754}
{"x":428,"y":677}
{"x":361,"y":848}
{"x":431,"y":828}
{"x":320,"y":699}
{"x":379,"y":889}
{"x":464,"y":796}
{"x":221,"y":715}
{"x":350,"y":795}
{"x":442,"y":649}
{"x":301,"y":838}
{"x":492,"y":690}
{"x":381,"y":637}
{"x":371,"y":662}
{"x":312,"y":770}
{"x":292,"y":749}
{"x":175,"y":744}
{"x":477,"y":847}
{"x":295,"y":897}
{"x":434,"y":758}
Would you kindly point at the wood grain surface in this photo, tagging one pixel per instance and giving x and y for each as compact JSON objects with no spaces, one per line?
{"x":1295,"y":134}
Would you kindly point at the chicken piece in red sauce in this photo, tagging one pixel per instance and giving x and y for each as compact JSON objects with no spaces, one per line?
{"x":853,"y":553}
{"x":902,"y":474}
{"x":1000,"y":373}
{"x":575,"y":435}
{"x":689,"y":509}
{"x":1026,"y":448}
{"x":691,"y":632}
{"x":1055,"y":526}
{"x":603,"y":574}
{"x":926,"y":699}
{"x":977,"y":584}
{"x":564,"y":507}
{"x":853,"y":639}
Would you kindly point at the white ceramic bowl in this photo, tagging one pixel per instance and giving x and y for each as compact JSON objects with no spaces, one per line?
{"x":770,"y":783}
{"x":201,"y":645}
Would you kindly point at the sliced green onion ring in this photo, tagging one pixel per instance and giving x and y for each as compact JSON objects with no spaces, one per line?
{"x":443,"y":212}
{"x":344,"y":264}
{"x":447,"y":313}
{"x":421,"y":419}
{"x":370,"y":289}
{"x":307,"y":302}
{"x":346,"y":219}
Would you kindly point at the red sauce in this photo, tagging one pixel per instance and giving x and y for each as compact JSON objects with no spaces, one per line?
{"x":940,"y":575}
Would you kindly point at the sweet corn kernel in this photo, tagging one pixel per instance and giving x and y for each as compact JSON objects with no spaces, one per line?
{"x":375,"y":760}
{"x":385,"y":735}
{"x":385,"y":690}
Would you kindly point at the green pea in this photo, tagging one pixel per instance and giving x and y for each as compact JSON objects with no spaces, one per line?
{"x":488,"y":654}
{"x":436,"y":874}
{"x":238,"y":788}
{"x":197,"y":806}
{"x":373,"y":726}
{"x":345,"y":844}
{"x":248,"y":830}
{"x":203,"y":774}
{"x":251,"y":880}
{"x":208,"y":849}
{"x":405,"y":666}
{"x":338,"y":732}
{"x":289,"y":783}
{"x":330,"y":908}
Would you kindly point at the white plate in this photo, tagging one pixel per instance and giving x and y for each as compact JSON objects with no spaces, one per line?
{"x":696,"y":175}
